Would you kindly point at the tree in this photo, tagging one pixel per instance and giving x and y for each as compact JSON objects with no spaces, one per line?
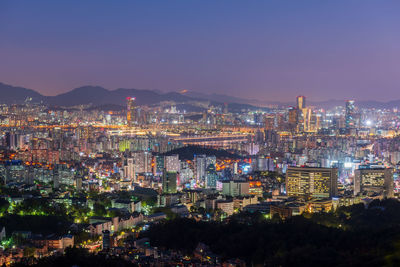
{"x":4,"y":205}
{"x":29,"y":251}
{"x":99,"y":209}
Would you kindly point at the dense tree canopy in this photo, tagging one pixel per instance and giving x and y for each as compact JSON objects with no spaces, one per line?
{"x":355,"y":236}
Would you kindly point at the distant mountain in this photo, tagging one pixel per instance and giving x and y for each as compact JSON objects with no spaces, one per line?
{"x":100,"y":97}
{"x":17,"y":95}
{"x":217,"y":97}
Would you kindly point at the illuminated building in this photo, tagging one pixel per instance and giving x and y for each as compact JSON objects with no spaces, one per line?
{"x":129,"y":169}
{"x":311,"y":182}
{"x":130,"y":112}
{"x":319,"y":205}
{"x":142,"y":161}
{"x":202,"y":162}
{"x":172,"y":163}
{"x":235,"y":188}
{"x":350,"y":114}
{"x":211,"y":176}
{"x":269,"y":121}
{"x":301,"y":102}
{"x":373,"y":180}
{"x":292,"y":119}
{"x":159,"y":164}
{"x":226,"y":206}
{"x":282,"y":211}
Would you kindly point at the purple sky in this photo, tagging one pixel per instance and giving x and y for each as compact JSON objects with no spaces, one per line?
{"x":270,"y":50}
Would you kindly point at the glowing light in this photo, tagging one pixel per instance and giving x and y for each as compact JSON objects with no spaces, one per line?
{"x":368,"y":122}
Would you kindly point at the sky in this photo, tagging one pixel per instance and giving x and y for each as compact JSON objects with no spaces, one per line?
{"x":266,"y":50}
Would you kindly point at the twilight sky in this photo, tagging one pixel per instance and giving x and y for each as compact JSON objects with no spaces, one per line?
{"x":269,"y":50}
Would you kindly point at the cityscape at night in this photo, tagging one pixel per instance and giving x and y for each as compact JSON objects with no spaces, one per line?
{"x":199,"y":133}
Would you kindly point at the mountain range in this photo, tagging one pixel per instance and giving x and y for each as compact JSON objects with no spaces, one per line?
{"x":99,"y":96}
{"x":96,"y":97}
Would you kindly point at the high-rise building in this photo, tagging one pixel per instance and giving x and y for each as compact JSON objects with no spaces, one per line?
{"x":311,"y":182}
{"x":374,"y":180}
{"x":129,"y":169}
{"x":142,"y":161}
{"x":292,"y":118}
{"x":200,"y":167}
{"x":158,"y":165}
{"x":130,"y":112}
{"x":172,"y":163}
{"x":301,"y":102}
{"x":211,"y":176}
{"x":202,"y":162}
{"x":169,"y":182}
{"x":302,"y":114}
{"x":350,"y":114}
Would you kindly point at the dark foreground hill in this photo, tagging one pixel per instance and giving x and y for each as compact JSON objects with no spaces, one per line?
{"x":351,"y":236}
{"x":188,"y":152}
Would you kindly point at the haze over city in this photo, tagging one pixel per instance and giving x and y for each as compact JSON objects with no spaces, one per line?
{"x":267,"y":50}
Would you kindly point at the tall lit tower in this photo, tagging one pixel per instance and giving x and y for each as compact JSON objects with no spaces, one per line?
{"x":130,"y":112}
{"x":350,"y":114}
{"x":301,"y":102}
{"x":301,"y":110}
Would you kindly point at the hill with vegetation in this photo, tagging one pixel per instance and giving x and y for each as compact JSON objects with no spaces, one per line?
{"x":350,"y":236}
{"x":188,"y":152}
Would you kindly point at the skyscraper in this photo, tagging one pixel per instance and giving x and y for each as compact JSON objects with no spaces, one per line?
{"x":292,"y":118}
{"x":169,"y":182}
{"x":311,"y":182}
{"x":350,"y":114}
{"x":301,"y":113}
{"x":301,"y":102}
{"x":130,"y":112}
{"x":200,"y":168}
{"x":211,"y":176}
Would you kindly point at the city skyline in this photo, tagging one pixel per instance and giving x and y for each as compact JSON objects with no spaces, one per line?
{"x":324,"y":50}
{"x":199,"y":133}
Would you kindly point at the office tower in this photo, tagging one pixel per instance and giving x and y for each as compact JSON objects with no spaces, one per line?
{"x":12,"y":140}
{"x":373,"y":180}
{"x":211,"y":176}
{"x":200,"y":168}
{"x":350,"y":114}
{"x":263,"y":164}
{"x":169,"y":182}
{"x":130,"y":112}
{"x":292,"y":118}
{"x":269,"y":122}
{"x":301,"y":102}
{"x":307,"y":113}
{"x":302,"y":114}
{"x":202,"y":162}
{"x":311,"y":182}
